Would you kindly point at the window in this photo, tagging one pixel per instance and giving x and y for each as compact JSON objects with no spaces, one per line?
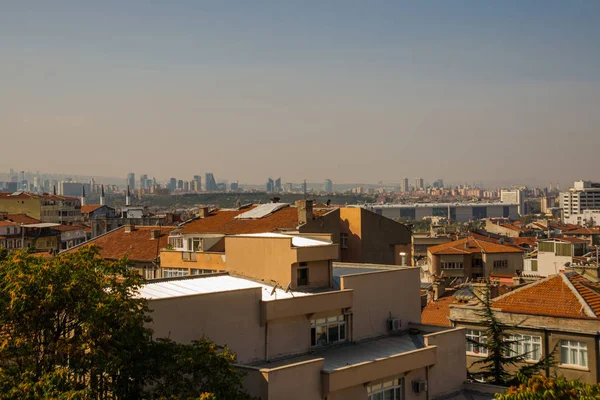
{"x":195,"y":271}
{"x":344,"y":240}
{"x":176,"y":242}
{"x":452,"y":265}
{"x":501,"y":264}
{"x":573,"y":353}
{"x":175,"y":272}
{"x":474,"y":337}
{"x":327,"y":330}
{"x":527,"y":346}
{"x":302,"y":277}
{"x":390,"y":390}
{"x":149,"y":272}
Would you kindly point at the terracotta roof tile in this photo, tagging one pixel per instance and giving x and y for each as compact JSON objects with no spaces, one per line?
{"x":551,"y":297}
{"x":22,"y":219}
{"x":136,"y":244}
{"x":472,"y":246}
{"x":437,"y":312}
{"x":65,"y":228}
{"x":88,"y":208}
{"x":223,"y":221}
{"x":589,"y":290}
{"x":584,"y":231}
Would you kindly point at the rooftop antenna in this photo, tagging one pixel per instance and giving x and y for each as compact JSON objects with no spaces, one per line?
{"x":288,"y":289}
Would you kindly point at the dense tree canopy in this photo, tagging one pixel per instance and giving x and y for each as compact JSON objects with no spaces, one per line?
{"x":541,"y":388}
{"x":73,"y":327}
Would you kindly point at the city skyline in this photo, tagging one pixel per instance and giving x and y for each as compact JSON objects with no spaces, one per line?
{"x":362,"y":92}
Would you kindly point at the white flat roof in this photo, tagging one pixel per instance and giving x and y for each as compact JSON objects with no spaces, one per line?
{"x":444,"y":205}
{"x":297,"y":241}
{"x":41,"y":225}
{"x":210,"y":284}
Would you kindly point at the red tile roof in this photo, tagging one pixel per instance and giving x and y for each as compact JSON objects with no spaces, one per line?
{"x":65,"y":228}
{"x":437,"y":312}
{"x":137,"y":244}
{"x":224,"y":221}
{"x":28,"y":195}
{"x":584,"y":231}
{"x":88,"y":208}
{"x":22,"y":219}
{"x":5,"y":222}
{"x":472,"y":246}
{"x":562,"y":295}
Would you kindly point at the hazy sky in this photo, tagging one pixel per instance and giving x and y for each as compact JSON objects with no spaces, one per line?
{"x":355,"y":91}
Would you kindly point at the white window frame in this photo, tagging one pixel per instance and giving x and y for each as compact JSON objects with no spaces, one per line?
{"x":529,"y":346}
{"x":383,"y":390}
{"x":175,"y":272}
{"x":321,"y":326}
{"x":576,"y":353}
{"x":478,"y":336}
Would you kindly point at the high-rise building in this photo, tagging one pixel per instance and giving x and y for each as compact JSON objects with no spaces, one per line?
{"x":143,"y":181}
{"x":270,"y":187}
{"x":196,"y":186}
{"x":131,"y":180}
{"x":514,"y":196}
{"x":210,"y":184}
{"x":419,"y":184}
{"x":278,"y":185}
{"x":172,"y":184}
{"x":328,"y":186}
{"x":180,"y":184}
{"x":234,"y":187}
{"x":584,"y":195}
{"x":289,"y":187}
{"x":404,"y":185}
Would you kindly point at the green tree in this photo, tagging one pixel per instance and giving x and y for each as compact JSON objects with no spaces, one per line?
{"x":500,"y":359}
{"x":541,"y":388}
{"x":73,"y":327}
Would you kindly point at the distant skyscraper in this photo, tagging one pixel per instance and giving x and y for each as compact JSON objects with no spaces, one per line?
{"x":210,"y":184}
{"x":180,"y":184}
{"x":328,"y":186}
{"x":289,"y":187}
{"x":404,"y":185}
{"x":419,"y":185}
{"x":234,"y":187}
{"x":143,"y":181}
{"x":172,"y":184}
{"x":278,"y":185}
{"x":270,"y":186}
{"x":131,"y":180}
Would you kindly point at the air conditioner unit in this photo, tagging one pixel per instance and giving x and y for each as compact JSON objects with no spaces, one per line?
{"x":394,"y":324}
{"x":419,"y":386}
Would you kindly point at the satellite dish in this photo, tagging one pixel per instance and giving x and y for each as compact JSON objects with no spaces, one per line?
{"x":289,"y":287}
{"x":274,"y":290}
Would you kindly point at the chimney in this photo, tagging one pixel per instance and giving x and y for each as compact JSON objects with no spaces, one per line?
{"x":203,"y":212}
{"x":305,"y":211}
{"x":127,"y":197}
{"x":439,"y":288}
{"x":129,"y":228}
{"x":102,"y":196}
{"x":154,"y":234}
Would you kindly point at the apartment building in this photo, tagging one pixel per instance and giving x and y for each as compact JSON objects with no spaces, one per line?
{"x":363,"y":236}
{"x":587,"y":218}
{"x":515,"y":196}
{"x":553,"y":255}
{"x":34,"y":234}
{"x":44,"y":207}
{"x":474,"y":258}
{"x":584,"y":195}
{"x":558,"y":315}
{"x":304,"y":329}
{"x":10,"y":234}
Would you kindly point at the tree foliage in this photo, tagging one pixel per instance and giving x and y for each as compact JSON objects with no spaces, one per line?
{"x":496,"y":367}
{"x":73,"y":327}
{"x":541,"y":388}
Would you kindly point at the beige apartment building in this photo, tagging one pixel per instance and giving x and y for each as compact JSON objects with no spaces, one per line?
{"x":303,"y":328}
{"x":474,"y":258}
{"x":44,"y":207}
{"x":558,"y":315}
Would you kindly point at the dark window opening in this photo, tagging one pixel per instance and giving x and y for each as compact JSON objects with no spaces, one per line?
{"x":302,"y":276}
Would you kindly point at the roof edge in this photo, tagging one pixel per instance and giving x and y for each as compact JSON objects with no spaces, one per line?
{"x":584,"y":305}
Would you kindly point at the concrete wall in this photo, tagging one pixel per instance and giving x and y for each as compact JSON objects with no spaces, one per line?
{"x":300,"y":381}
{"x":447,"y":375}
{"x":228,"y":318}
{"x":269,"y":259}
{"x":319,"y":273}
{"x":288,"y":336}
{"x":380,"y":236}
{"x":351,"y":226}
{"x":210,"y":260}
{"x":30,"y":207}
{"x":515,"y":262}
{"x":377,"y":295}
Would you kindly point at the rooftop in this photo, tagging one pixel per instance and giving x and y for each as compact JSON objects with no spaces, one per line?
{"x":21,"y":219}
{"x":567,"y":294}
{"x":455,"y":204}
{"x":297,"y":241}
{"x":584,"y":231}
{"x":137,"y":244}
{"x":471,"y":245}
{"x":355,"y":353}
{"x":88,"y":208}
{"x":203,"y":284}
{"x":283,"y":217}
{"x":29,"y":195}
